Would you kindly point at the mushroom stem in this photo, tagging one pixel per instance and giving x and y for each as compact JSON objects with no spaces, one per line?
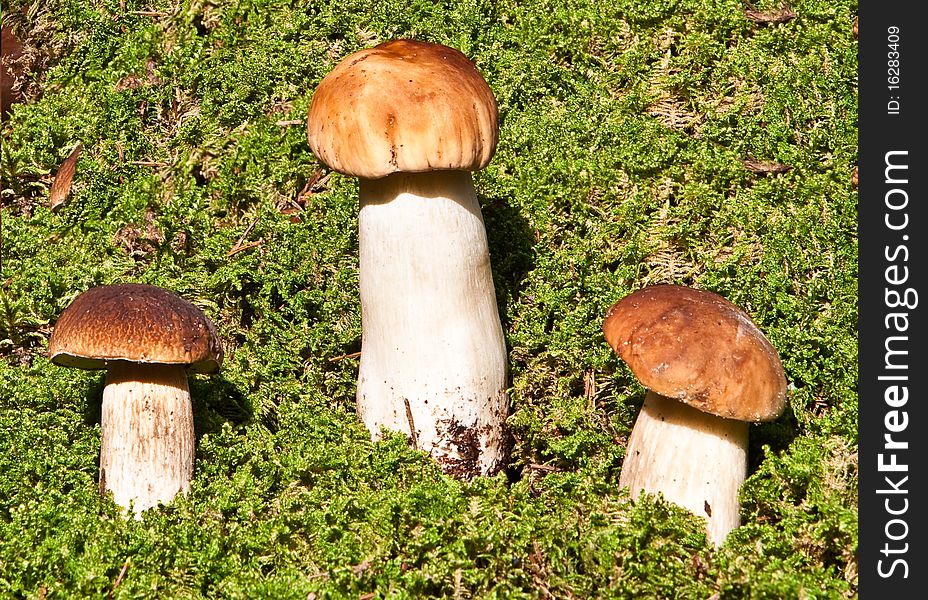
{"x":433,"y":355}
{"x":147,"y":447}
{"x":694,"y":459}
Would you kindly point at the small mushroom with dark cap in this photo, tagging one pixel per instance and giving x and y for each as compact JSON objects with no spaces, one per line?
{"x":148,"y":339}
{"x":411,"y":120}
{"x":710,"y":372}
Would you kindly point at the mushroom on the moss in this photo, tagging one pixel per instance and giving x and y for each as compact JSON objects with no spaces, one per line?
{"x":710,"y":372}
{"x":147,"y":339}
{"x":411,"y":120}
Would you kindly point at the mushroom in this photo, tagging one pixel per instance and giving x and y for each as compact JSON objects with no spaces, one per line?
{"x":147,"y":339}
{"x":709,"y":372}
{"x":411,"y":119}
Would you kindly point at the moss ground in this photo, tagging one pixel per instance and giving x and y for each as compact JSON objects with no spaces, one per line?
{"x":677,"y":141}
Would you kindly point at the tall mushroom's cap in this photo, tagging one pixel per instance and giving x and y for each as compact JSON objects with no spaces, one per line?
{"x":698,"y":348}
{"x":137,"y":323}
{"x":403,"y":106}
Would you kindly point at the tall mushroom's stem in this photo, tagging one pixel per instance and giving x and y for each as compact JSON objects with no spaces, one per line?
{"x":696,"y":460}
{"x":431,"y":330}
{"x":147,"y":448}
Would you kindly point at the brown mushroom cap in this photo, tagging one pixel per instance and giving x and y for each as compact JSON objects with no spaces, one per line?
{"x":136,"y":323}
{"x":699,"y":348}
{"x":403,"y":106}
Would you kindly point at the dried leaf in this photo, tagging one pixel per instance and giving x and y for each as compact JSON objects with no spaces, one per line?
{"x":317,"y":183}
{"x":11,"y":74}
{"x":134,"y":81}
{"x":769,"y":17}
{"x":765,"y":168}
{"x":129,"y":82}
{"x":61,"y":187}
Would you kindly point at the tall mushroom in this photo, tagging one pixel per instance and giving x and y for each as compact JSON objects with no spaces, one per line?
{"x":709,"y":372}
{"x":147,"y":339}
{"x":411,"y":120}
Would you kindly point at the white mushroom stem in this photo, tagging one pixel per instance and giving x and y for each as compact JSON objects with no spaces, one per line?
{"x":694,"y":459}
{"x":433,"y":356}
{"x":147,"y":448}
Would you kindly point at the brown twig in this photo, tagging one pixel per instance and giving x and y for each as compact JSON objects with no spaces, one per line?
{"x":122,"y":573}
{"x":315,"y":183}
{"x":148,"y":163}
{"x":412,"y":426}
{"x":344,"y":356}
{"x":235,"y":250}
{"x":240,"y":245}
{"x":321,"y":182}
{"x":245,"y":233}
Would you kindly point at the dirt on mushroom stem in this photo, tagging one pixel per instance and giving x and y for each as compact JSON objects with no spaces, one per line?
{"x":431,"y":334}
{"x":467,"y":443}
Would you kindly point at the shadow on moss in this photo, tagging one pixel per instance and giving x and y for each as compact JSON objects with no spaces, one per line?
{"x":215,"y":401}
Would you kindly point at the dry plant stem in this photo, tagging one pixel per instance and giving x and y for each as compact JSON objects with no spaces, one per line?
{"x":147,"y":449}
{"x":431,"y":330}
{"x":696,"y":460}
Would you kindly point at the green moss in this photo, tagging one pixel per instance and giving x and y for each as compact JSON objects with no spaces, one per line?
{"x":624,"y":128}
